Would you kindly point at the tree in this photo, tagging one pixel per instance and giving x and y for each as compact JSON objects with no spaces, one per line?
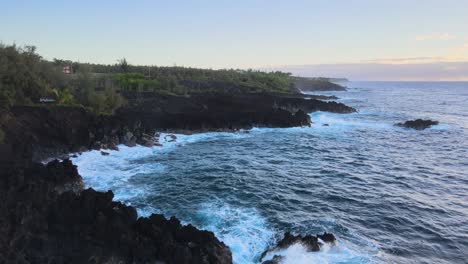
{"x":84,"y":86}
{"x":63,"y":96}
{"x":124,"y":67}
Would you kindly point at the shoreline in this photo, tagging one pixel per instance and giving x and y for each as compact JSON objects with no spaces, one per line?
{"x":38,"y":133}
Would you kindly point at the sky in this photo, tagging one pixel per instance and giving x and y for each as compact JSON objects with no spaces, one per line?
{"x":357,"y":39}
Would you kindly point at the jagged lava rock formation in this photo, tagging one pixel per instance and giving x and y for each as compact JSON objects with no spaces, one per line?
{"x":418,"y":124}
{"x":46,"y":215}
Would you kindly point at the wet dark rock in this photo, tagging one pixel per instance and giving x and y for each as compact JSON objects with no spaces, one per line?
{"x":418,"y":124}
{"x":275,"y":260}
{"x":146,"y":140}
{"x":104,"y":153}
{"x":129,"y":140}
{"x":327,"y":237}
{"x":170,"y":138}
{"x":312,"y":243}
{"x":326,"y":125}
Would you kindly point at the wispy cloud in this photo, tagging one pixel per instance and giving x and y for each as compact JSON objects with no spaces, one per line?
{"x":460,"y":54}
{"x":435,"y":36}
{"x":406,"y":60}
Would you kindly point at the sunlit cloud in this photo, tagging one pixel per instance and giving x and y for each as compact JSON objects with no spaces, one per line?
{"x":459,"y":54}
{"x":412,"y":60}
{"x":371,"y":71}
{"x":435,"y":36}
{"x":463,"y":49}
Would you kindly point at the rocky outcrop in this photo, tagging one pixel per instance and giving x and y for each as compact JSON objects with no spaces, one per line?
{"x":215,"y":112}
{"x":311,"y":243}
{"x":40,"y":132}
{"x":53,"y":131}
{"x":418,"y":124}
{"x":321,"y":97}
{"x":48,"y":218}
{"x":316,"y":84}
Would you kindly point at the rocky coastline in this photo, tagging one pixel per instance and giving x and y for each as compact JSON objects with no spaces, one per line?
{"x":47,"y":215}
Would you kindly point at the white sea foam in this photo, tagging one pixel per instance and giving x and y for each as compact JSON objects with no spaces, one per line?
{"x":341,"y":252}
{"x":112,"y":172}
{"x":347,"y":121}
{"x":244,"y":230}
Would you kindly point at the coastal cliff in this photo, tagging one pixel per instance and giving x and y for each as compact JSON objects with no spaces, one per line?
{"x":303,"y":84}
{"x":222,"y":112}
{"x":48,"y":216}
{"x":38,"y":133}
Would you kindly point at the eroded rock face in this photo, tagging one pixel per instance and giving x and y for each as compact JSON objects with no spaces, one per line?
{"x":418,"y":124}
{"x":311,"y":243}
{"x":224,"y":112}
{"x":40,"y":132}
{"x":57,"y":130}
{"x":41,"y":224}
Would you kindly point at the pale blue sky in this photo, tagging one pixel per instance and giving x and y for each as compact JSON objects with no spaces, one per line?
{"x":241,"y":33}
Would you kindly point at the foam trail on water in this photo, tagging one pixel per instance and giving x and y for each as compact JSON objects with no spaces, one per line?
{"x":348,"y":121}
{"x":113,"y":172}
{"x":244,"y":230}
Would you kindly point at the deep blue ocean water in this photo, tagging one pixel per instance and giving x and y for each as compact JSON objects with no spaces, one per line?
{"x":389,"y":194}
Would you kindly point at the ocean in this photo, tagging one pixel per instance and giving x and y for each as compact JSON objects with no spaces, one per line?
{"x":389,"y":194}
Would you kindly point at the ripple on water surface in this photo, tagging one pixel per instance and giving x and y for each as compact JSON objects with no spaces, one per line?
{"x":389,"y":194}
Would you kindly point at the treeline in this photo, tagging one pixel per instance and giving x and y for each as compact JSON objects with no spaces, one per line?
{"x":26,"y":78}
{"x":303,"y":84}
{"x":186,"y":80}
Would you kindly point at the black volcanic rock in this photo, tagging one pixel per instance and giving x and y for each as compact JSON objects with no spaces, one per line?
{"x":327,"y":237}
{"x":47,"y":217}
{"x":214,"y":112}
{"x":275,"y":260}
{"x":316,"y":84}
{"x":52,"y":131}
{"x":312,"y":243}
{"x":39,"y":132}
{"x":321,"y":97}
{"x":418,"y":124}
{"x":41,"y":223}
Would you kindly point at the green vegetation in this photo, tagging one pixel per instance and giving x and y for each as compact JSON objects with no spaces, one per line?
{"x":26,"y":78}
{"x":316,"y":84}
